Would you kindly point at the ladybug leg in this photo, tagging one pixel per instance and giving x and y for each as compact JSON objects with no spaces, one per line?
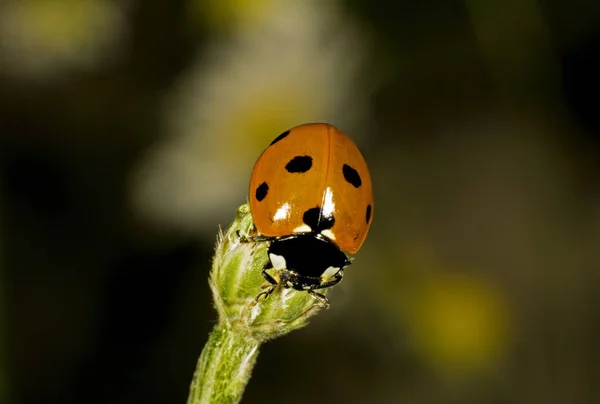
{"x":323,"y":301}
{"x":333,"y":281}
{"x":273,"y":283}
{"x":265,"y":293}
{"x":266,"y":275}
{"x":252,"y":239}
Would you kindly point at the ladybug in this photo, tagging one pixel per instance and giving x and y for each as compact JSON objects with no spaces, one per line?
{"x":311,"y":200}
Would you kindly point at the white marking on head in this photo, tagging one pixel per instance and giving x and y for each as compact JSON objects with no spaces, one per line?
{"x":328,"y":204}
{"x":278,"y":261}
{"x":329,"y":234}
{"x":282,"y":213}
{"x":329,"y":272}
{"x":290,"y":284}
{"x":306,"y":287}
{"x":303,"y":229}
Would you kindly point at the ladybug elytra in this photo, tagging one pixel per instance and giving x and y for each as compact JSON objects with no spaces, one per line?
{"x":311,"y":200}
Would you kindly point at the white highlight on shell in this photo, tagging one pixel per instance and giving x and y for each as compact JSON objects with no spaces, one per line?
{"x":329,"y":234}
{"x":278,"y":261}
{"x":328,"y":204}
{"x":303,"y":229}
{"x":329,"y":272}
{"x":283,"y":212}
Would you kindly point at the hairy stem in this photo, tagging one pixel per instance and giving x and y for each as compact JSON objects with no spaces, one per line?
{"x":224,"y":367}
{"x":228,"y":357}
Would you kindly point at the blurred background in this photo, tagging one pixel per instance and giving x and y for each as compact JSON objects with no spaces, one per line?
{"x":128,"y":131}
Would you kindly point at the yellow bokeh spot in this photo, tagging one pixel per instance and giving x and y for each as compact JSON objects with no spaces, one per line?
{"x":219,"y":14}
{"x":61,"y":23}
{"x":458,"y":323}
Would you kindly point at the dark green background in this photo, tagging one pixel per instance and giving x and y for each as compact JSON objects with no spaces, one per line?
{"x":100,"y":307}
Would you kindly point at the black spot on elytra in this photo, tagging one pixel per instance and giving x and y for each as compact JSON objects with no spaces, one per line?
{"x":299,"y":164}
{"x":314,"y":219}
{"x":278,"y":138}
{"x":261,"y":191}
{"x":369,"y":209}
{"x":351,"y":175}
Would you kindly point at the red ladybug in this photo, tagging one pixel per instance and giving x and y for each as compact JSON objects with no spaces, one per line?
{"x":311,"y":199}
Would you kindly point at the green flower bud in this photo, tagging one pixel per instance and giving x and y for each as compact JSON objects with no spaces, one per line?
{"x":236,"y":281}
{"x":245,"y":322}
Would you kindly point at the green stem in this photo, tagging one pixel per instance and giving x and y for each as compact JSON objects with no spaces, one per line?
{"x":227,"y":360}
{"x":224,"y":368}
